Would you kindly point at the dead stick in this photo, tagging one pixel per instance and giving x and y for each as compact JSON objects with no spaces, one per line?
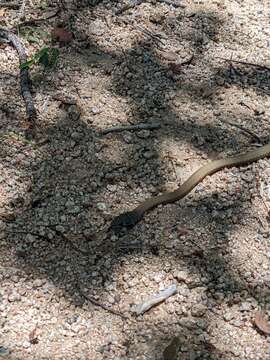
{"x":131,"y":127}
{"x":247,"y":131}
{"x":96,"y":303}
{"x":263,"y":67}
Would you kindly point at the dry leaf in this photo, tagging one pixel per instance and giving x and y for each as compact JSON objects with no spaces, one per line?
{"x":61,"y":35}
{"x":261,"y":322}
{"x":171,"y":351}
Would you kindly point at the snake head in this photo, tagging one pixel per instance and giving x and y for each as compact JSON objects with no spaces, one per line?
{"x":125,"y":220}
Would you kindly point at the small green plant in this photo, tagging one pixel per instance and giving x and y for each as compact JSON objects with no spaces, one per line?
{"x":47,"y":57}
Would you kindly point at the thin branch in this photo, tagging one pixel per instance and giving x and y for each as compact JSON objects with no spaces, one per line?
{"x":96,"y":303}
{"x":155,"y":37}
{"x":67,"y":239}
{"x":241,"y":127}
{"x":75,"y":247}
{"x":141,"y":126}
{"x":263,"y":67}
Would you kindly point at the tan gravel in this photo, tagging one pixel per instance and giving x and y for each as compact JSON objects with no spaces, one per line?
{"x":152,"y":63}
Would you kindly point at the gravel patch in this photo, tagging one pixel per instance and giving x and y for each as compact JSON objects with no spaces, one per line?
{"x":154,"y":63}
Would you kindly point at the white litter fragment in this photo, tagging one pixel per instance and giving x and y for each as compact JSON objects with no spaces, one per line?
{"x":156,"y":299}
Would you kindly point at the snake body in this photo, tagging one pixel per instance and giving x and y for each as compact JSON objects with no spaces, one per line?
{"x":130,"y":218}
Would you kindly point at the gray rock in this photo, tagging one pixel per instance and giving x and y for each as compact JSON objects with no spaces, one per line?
{"x":14,"y":297}
{"x":181,"y":276}
{"x":149,"y":154}
{"x":245,"y":306}
{"x":38,"y":283}
{"x":30,"y":238}
{"x":198,"y":310}
{"x":60,"y":228}
{"x":228,"y":316}
{"x":97,"y":28}
{"x":95,"y":110}
{"x":101,"y":206}
{"x":143,"y":134}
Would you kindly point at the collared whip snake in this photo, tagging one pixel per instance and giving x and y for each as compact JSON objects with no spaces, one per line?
{"x":130,"y":218}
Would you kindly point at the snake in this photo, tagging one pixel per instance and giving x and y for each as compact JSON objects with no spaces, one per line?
{"x":130,"y":218}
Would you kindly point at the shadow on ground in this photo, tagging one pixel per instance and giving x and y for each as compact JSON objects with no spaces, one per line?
{"x":66,"y":188}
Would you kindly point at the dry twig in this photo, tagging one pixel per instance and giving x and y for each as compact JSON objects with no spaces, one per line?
{"x":141,"y":126}
{"x":96,"y":303}
{"x":263,"y":67}
{"x":241,"y":127}
{"x":157,"y":38}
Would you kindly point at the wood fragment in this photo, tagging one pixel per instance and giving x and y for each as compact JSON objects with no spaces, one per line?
{"x":154,"y":300}
{"x":261,"y":322}
{"x":142,"y":126}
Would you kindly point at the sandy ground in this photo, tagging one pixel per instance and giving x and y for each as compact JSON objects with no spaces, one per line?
{"x":154,"y":63}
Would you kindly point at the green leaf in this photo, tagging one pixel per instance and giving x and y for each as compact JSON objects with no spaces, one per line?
{"x":26,"y":64}
{"x":47,"y":57}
